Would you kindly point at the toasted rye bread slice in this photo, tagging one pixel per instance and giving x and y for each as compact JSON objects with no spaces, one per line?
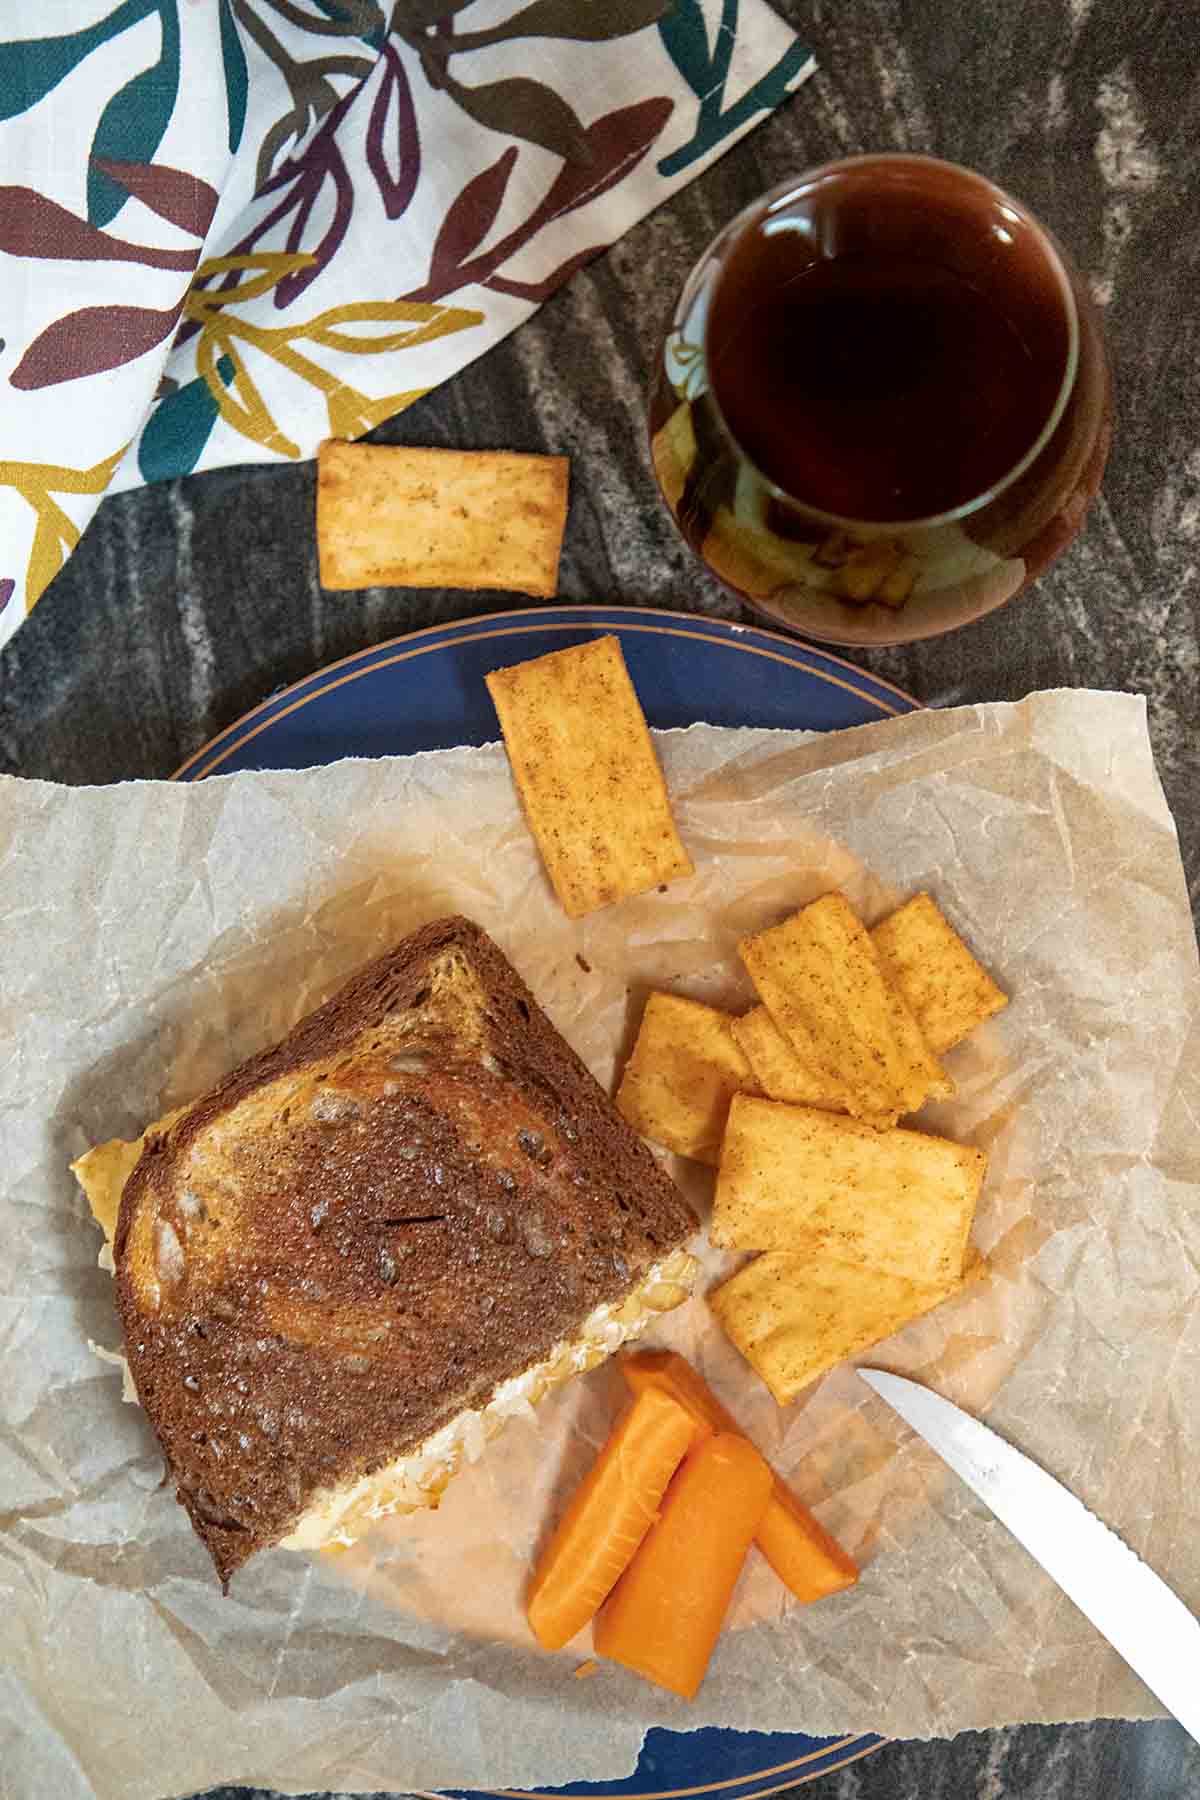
{"x":366,"y":1230}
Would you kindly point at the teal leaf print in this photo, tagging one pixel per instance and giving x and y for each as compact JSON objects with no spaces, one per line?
{"x":31,"y":68}
{"x":132,"y":124}
{"x":685,"y":33}
{"x":236,"y":78}
{"x":176,"y":432}
{"x":338,"y":18}
{"x":706,"y":72}
{"x":363,"y":19}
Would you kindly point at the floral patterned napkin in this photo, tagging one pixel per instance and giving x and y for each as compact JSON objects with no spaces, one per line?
{"x":231,"y":228}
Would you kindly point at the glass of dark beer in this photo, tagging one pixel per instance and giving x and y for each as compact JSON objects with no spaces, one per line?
{"x":883,"y":405}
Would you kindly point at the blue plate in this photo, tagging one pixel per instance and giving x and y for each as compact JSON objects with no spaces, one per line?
{"x":426,"y":692}
{"x":735,"y":1764}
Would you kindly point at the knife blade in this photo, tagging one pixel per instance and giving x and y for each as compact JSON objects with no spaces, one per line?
{"x":1125,"y":1600}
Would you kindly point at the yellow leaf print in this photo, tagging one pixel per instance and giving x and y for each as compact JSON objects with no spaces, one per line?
{"x":223,"y":334}
{"x":352,"y":416}
{"x":266,"y":268}
{"x":56,"y":533}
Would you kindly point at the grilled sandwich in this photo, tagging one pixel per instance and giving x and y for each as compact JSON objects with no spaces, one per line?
{"x":342,"y":1269}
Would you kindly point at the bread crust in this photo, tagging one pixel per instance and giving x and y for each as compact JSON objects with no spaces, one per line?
{"x":365,"y":1230}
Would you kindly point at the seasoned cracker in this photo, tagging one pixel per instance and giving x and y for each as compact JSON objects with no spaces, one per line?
{"x":685,"y":1068}
{"x":796,"y":1178}
{"x":794,"y":1319}
{"x":947,"y":991}
{"x":391,"y":516}
{"x":588,"y":776}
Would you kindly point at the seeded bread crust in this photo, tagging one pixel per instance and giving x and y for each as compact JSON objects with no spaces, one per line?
{"x":365,"y":1230}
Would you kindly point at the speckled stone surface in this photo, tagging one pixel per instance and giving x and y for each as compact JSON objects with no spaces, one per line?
{"x":187,"y":604}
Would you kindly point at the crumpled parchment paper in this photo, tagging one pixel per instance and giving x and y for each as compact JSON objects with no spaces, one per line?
{"x":152,"y":935}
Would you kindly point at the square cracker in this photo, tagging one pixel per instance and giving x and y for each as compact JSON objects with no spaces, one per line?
{"x":391,"y":516}
{"x":925,"y":960}
{"x":820,"y":976}
{"x":795,"y":1178}
{"x":794,"y":1318}
{"x":685,"y":1068}
{"x":588,"y":776}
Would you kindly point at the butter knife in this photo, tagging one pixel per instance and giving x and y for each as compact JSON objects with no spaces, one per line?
{"x":1125,"y":1600}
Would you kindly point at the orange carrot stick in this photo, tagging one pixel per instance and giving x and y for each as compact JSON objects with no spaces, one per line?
{"x":665,"y":1614}
{"x":674,"y":1375}
{"x":608,"y":1516}
{"x":806,"y":1559}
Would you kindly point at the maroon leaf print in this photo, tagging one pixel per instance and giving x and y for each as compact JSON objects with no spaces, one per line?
{"x":8,"y":588}
{"x":395,"y":95}
{"x":537,"y":291}
{"x":616,"y":144}
{"x":32,"y":225}
{"x":173,"y":194}
{"x":92,"y":339}
{"x":303,"y":180}
{"x":330,"y":168}
{"x":471,"y":216}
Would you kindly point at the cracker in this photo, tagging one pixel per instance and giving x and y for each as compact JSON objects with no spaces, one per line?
{"x":794,"y":1319}
{"x":685,"y":1068}
{"x":588,"y":776}
{"x":398,"y":517}
{"x":779,"y":1071}
{"x":795,"y":1178}
{"x":819,"y":975}
{"x":947,"y":991}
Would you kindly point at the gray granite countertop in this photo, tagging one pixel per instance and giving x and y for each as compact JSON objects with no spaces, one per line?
{"x":187,"y":603}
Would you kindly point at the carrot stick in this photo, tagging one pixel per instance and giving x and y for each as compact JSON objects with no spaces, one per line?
{"x":674,"y":1375}
{"x":665,"y":1614}
{"x":806,"y":1559}
{"x":608,"y":1516}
